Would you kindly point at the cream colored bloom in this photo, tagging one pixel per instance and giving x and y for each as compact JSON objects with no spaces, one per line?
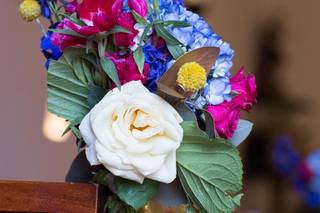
{"x":134,"y":134}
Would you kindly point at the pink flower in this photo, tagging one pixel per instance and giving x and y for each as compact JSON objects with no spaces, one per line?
{"x":127,"y":68}
{"x":102,"y":14}
{"x":139,"y":6}
{"x":99,"y":16}
{"x":226,"y":117}
{"x":246,"y":89}
{"x":126,"y":20}
{"x":71,"y":7}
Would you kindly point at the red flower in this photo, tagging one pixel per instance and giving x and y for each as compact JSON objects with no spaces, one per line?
{"x":246,"y":89}
{"x":127,"y":21}
{"x":127,"y":68}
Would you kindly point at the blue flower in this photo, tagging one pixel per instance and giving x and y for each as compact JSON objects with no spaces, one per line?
{"x":45,"y":9}
{"x":50,"y":51}
{"x":217,"y":91}
{"x":157,"y":58}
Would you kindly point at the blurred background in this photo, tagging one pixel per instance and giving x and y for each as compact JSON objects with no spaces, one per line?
{"x":277,"y":40}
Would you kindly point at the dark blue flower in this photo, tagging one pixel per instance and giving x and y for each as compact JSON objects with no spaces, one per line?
{"x":50,"y":51}
{"x":157,"y":58}
{"x":284,"y":157}
{"x":45,"y":9}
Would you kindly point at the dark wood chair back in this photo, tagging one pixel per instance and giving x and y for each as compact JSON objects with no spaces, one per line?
{"x":17,"y":196}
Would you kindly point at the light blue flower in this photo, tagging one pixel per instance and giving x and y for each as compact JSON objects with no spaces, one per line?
{"x":217,"y":91}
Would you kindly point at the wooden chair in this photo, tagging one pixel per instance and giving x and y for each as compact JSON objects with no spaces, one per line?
{"x":16,"y":196}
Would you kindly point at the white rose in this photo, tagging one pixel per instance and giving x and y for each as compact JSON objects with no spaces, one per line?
{"x":134,"y":134}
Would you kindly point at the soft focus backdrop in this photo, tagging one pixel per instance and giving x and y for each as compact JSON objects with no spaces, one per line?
{"x":276,"y":39}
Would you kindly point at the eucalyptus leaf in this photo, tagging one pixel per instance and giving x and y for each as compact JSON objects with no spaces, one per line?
{"x":176,"y":51}
{"x":214,"y":179}
{"x":134,"y":194}
{"x":242,"y":132}
{"x":139,"y":58}
{"x":95,"y":95}
{"x":109,"y":68}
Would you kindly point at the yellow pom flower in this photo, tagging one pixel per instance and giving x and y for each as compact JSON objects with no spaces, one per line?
{"x":30,"y":10}
{"x":192,"y":77}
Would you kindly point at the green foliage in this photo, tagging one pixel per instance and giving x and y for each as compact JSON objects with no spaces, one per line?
{"x":166,"y":35}
{"x":114,"y":205}
{"x":139,"y":19}
{"x":101,"y":177}
{"x":214,"y":179}
{"x":134,"y":194}
{"x":67,"y":87}
{"x":95,"y":95}
{"x":109,"y":68}
{"x":139,"y":58}
{"x":68,"y":32}
{"x":176,"y":51}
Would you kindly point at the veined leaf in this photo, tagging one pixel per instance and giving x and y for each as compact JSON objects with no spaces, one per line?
{"x":67,"y":94}
{"x":68,"y":32}
{"x":176,"y":51}
{"x":110,"y":70}
{"x":134,"y":194}
{"x":139,"y":18}
{"x":139,"y":58}
{"x":214,"y":179}
{"x":166,"y":35}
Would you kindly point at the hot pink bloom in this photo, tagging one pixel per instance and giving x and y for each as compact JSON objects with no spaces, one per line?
{"x":127,"y":69}
{"x":71,"y":7}
{"x":139,"y":6}
{"x":99,"y":16}
{"x":246,"y":89}
{"x":127,"y":21}
{"x":226,"y":117}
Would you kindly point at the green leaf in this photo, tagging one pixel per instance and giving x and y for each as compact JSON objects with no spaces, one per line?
{"x":134,"y":194}
{"x":176,"y":23}
{"x":214,"y":179}
{"x":82,"y":70}
{"x":114,"y":205}
{"x":95,"y":95}
{"x":139,"y":18}
{"x":114,"y":30}
{"x":166,"y":35}
{"x":67,"y":94}
{"x":75,"y":20}
{"x":139,"y":58}
{"x":110,"y":70}
{"x":68,"y":32}
{"x":101,"y":177}
{"x":186,"y":113}
{"x":176,"y":51}
{"x":210,"y":129}
{"x":145,"y":33}
{"x":156,"y":7}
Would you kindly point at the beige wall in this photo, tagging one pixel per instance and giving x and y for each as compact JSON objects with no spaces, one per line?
{"x":24,"y":152}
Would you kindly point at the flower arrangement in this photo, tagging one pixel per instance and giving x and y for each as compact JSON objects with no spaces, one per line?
{"x":147,"y":90}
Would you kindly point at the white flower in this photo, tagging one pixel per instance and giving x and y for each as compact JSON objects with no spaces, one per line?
{"x":134,"y":134}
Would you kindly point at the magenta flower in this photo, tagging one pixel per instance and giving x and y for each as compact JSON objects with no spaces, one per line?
{"x":245,"y":88}
{"x":226,"y":117}
{"x":127,"y":68}
{"x":139,"y":6}
{"x":71,"y":7}
{"x":127,"y":21}
{"x":99,"y":16}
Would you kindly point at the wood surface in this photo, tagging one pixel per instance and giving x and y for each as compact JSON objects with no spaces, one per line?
{"x":19,"y":196}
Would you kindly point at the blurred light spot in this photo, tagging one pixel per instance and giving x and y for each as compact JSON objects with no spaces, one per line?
{"x":53,"y":128}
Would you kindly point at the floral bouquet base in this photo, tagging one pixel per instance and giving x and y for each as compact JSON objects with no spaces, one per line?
{"x":147,"y":90}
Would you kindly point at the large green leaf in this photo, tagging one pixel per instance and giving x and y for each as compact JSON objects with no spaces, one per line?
{"x":210,"y":171}
{"x":67,"y":90}
{"x":134,"y":194}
